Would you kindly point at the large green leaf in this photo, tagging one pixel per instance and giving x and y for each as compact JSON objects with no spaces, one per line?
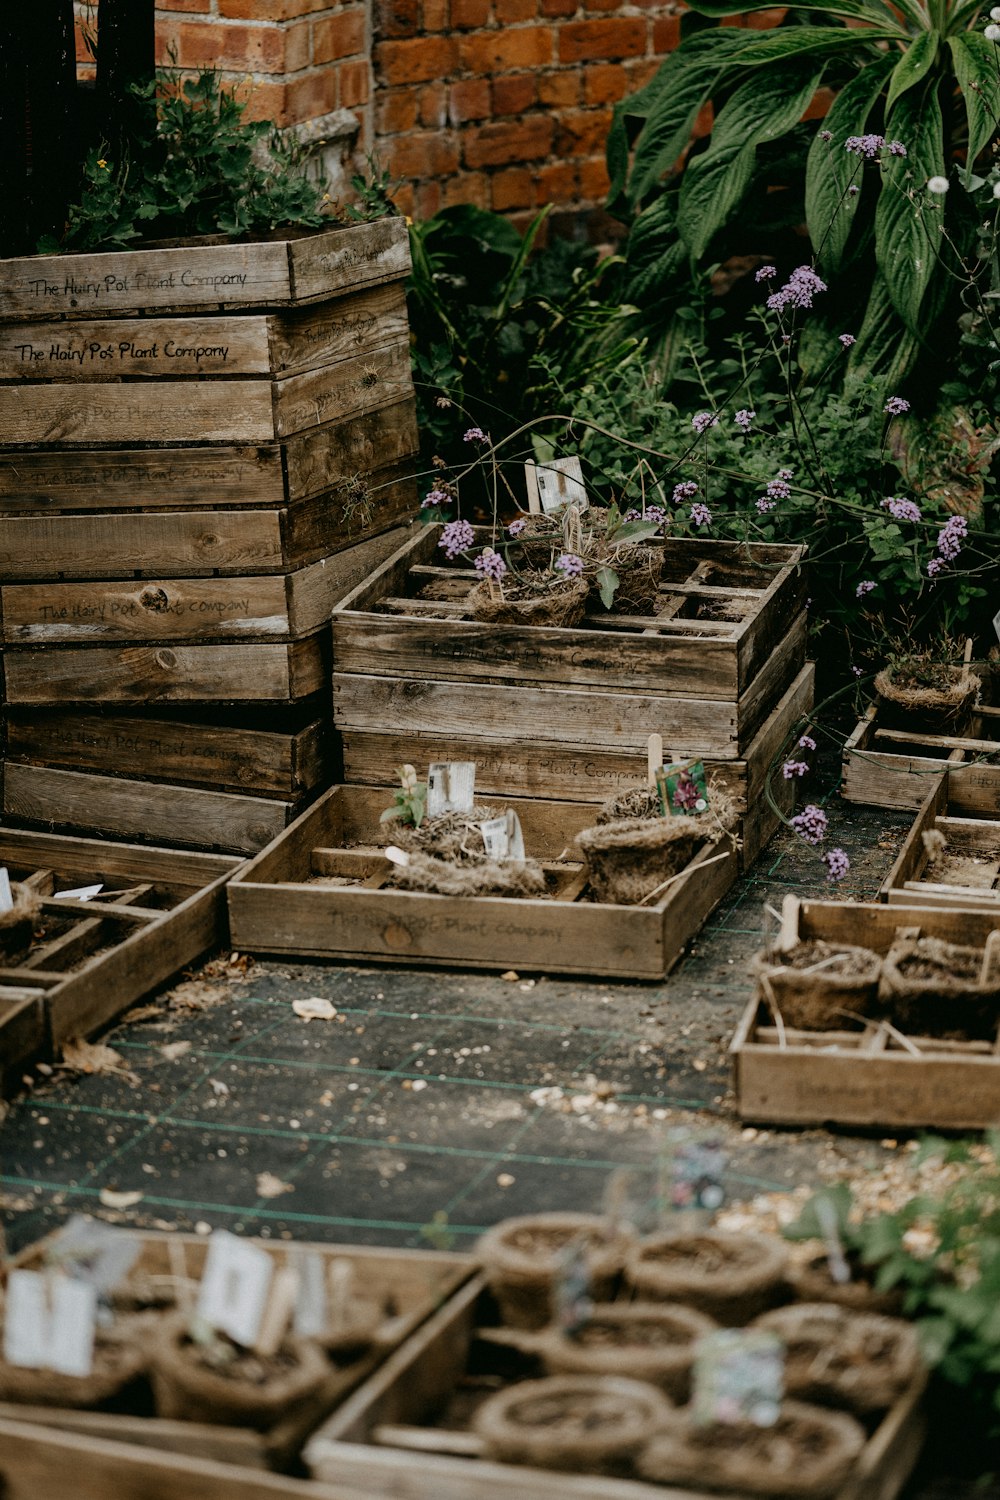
{"x":830,"y":210}
{"x":671,"y":103}
{"x":977,"y":68}
{"x":855,"y":10}
{"x":907,"y":220}
{"x":787,"y":42}
{"x":915,"y":63}
{"x":762,"y":109}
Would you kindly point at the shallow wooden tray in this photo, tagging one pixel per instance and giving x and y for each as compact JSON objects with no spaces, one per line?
{"x":162,"y":910}
{"x":894,"y":768}
{"x":382,"y":1436}
{"x":966,"y":875}
{"x":409,"y":1284}
{"x":274,"y":908}
{"x":791,"y":1077}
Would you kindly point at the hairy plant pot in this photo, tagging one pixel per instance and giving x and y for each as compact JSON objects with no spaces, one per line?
{"x":729,"y":1277}
{"x":248,"y":1391}
{"x":907,"y":703}
{"x":837,"y":1357}
{"x":818,"y":986}
{"x":810,"y":1281}
{"x":17,"y":926}
{"x":523,"y":1261}
{"x":493,"y":877}
{"x":807,"y":1455}
{"x":934,"y":988}
{"x":640,"y":1340}
{"x":639,"y":572}
{"x":586,"y":1423}
{"x":120,"y":1358}
{"x":531,"y":600}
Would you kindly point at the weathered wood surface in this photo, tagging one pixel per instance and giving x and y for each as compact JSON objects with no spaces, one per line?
{"x":881,"y":773}
{"x":866,"y":1078}
{"x":413,"y":1386}
{"x":207,"y":673}
{"x":190,"y":817}
{"x":189,"y":543}
{"x":22,"y":1032}
{"x":256,"y":755}
{"x":204,"y":277}
{"x":963,"y":876}
{"x":276,"y":344}
{"x":274,"y":909}
{"x":33,"y":480}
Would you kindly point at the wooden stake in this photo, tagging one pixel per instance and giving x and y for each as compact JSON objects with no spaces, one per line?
{"x":278,"y":1311}
{"x":654,"y":757}
{"x":991,"y":958}
{"x":967,"y":659}
{"x":531,"y":486}
{"x":789,"y":934}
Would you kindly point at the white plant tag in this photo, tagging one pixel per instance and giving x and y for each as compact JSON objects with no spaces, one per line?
{"x":311,"y":1310}
{"x":81,"y":893}
{"x":996,"y":624}
{"x":451,"y":787}
{"x":560,"y":483}
{"x":515,"y":838}
{"x":234,"y":1287}
{"x":49,"y":1323}
{"x":6,"y":894}
{"x":396,"y":856}
{"x":496,"y":837}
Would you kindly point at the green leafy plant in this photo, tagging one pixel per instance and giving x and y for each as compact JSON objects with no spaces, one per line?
{"x":917,"y":89}
{"x":409,"y":799}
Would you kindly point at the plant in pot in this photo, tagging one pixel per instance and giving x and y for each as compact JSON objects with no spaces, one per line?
{"x":841,"y":1271}
{"x":927,"y":690}
{"x":592,"y":1424}
{"x":525,"y":1260}
{"x":729,"y":1277}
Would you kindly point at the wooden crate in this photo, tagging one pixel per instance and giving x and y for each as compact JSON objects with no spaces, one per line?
{"x":274,"y":908}
{"x":409,"y":1284}
{"x":161,"y":908}
{"x":706,"y":685}
{"x":894,"y":768}
{"x":382,"y":1437}
{"x":867,"y":1077}
{"x":967,"y":872}
{"x":582,"y":774}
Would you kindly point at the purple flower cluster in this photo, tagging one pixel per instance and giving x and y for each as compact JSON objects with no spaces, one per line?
{"x":491,"y":564}
{"x":825,"y":135}
{"x":686,"y":490}
{"x":456,"y":537}
{"x":569,"y":565}
{"x":869,"y":146}
{"x":700,"y":514}
{"x":810,"y":824}
{"x":764,"y":504}
{"x":655,"y":514}
{"x":901,"y":510}
{"x":779,"y":488}
{"x":798,"y":291}
{"x":476,"y":435}
{"x":516,"y":527}
{"x":895,"y":406}
{"x":807,"y":742}
{"x":703,"y":420}
{"x":766,"y":273}
{"x":435,"y":498}
{"x":951,"y":536}
{"x":864,"y":587}
{"x":837,"y":864}
{"x":847,"y":339}
{"x":744,"y":419}
{"x":793,"y":768}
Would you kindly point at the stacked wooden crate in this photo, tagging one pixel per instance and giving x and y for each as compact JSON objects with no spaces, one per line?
{"x":201,"y":450}
{"x":718,"y":670}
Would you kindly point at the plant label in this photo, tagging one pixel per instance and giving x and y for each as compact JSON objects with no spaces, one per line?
{"x":95,"y":1252}
{"x":49,"y":1323}
{"x":515,"y":838}
{"x":278,"y":1312}
{"x":311,"y":1311}
{"x":840,"y":1271}
{"x":697,"y":1178}
{"x":739,"y":1376}
{"x":996,"y":624}
{"x":683,"y":790}
{"x":496,"y":838}
{"x":6,"y":894}
{"x":560,"y":483}
{"x":451,"y":787}
{"x":396,"y":856}
{"x":80,"y":893}
{"x":235,"y":1286}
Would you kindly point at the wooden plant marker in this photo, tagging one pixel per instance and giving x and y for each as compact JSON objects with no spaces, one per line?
{"x":654,"y":759}
{"x":990,"y":970}
{"x":788,"y":935}
{"x":278,"y":1311}
{"x":531,"y":485}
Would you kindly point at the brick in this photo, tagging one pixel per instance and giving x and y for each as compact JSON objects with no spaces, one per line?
{"x":256,"y":10}
{"x":617,"y":36}
{"x":433,"y":105}
{"x":582,"y":132}
{"x":559,"y":89}
{"x":556,"y":183}
{"x":513,"y":95}
{"x":436,"y":15}
{"x":666,"y":34}
{"x":342,"y":35}
{"x":428,"y":200}
{"x":513,"y":189}
{"x":469,"y":100}
{"x":498,"y":51}
{"x":405,"y":200}
{"x":244,"y":48}
{"x":594,"y":181}
{"x":466,"y":187}
{"x":355,"y":81}
{"x":416,"y":61}
{"x":466,"y":14}
{"x":267,"y":101}
{"x":559,"y":7}
{"x":605,"y":5}
{"x":640,"y":72}
{"x":298,"y":47}
{"x":396,"y":18}
{"x":310,"y":95}
{"x":499,"y":144}
{"x":605,"y":83}
{"x":200,"y":7}
{"x":396,"y":110}
{"x":508,"y":11}
{"x":423,"y":153}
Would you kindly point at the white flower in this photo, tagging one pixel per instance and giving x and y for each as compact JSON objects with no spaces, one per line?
{"x":995,"y":13}
{"x":938,"y":184}
{"x":992,"y":33}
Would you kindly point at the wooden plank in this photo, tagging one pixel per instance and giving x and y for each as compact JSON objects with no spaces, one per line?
{"x":884,"y":777}
{"x":322,"y":334}
{"x":23,"y":1034}
{"x":349,"y":257}
{"x":232,"y":672}
{"x":177,"y":411}
{"x":158,"y":348}
{"x":321,"y":458}
{"x":143,"y":810}
{"x":97,"y":859}
{"x":377,"y":378}
{"x":195,"y":1439}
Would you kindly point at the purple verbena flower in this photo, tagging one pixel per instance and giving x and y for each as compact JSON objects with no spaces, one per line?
{"x":896,"y":405}
{"x":766,"y":273}
{"x":867,"y":146}
{"x":847,"y":339}
{"x":951,"y":536}
{"x":700,"y":514}
{"x":853,"y":190}
{"x":490,"y":564}
{"x":516,"y":527}
{"x":793,"y":768}
{"x":764,"y":505}
{"x":864,"y":587}
{"x":778,"y":489}
{"x":744,"y":419}
{"x":475,"y":435}
{"x":435,"y":498}
{"x":798,"y":291}
{"x":786,"y":474}
{"x":686,"y":490}
{"x":837,"y":864}
{"x":901,"y":510}
{"x":456,"y":537}
{"x":810,"y":824}
{"x":806,"y":742}
{"x":569,"y":565}
{"x":826,"y":135}
{"x":703,"y":420}
{"x":857,"y":671}
{"x":895,"y":148}
{"x":934,"y":567}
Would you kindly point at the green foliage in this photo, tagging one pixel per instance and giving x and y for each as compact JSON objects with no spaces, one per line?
{"x":194,"y":166}
{"x":926,"y":77}
{"x":409,"y":799}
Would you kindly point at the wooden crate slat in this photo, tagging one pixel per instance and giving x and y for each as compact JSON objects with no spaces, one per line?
{"x":884,"y":773}
{"x":323,"y":265}
{"x":915,"y":880}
